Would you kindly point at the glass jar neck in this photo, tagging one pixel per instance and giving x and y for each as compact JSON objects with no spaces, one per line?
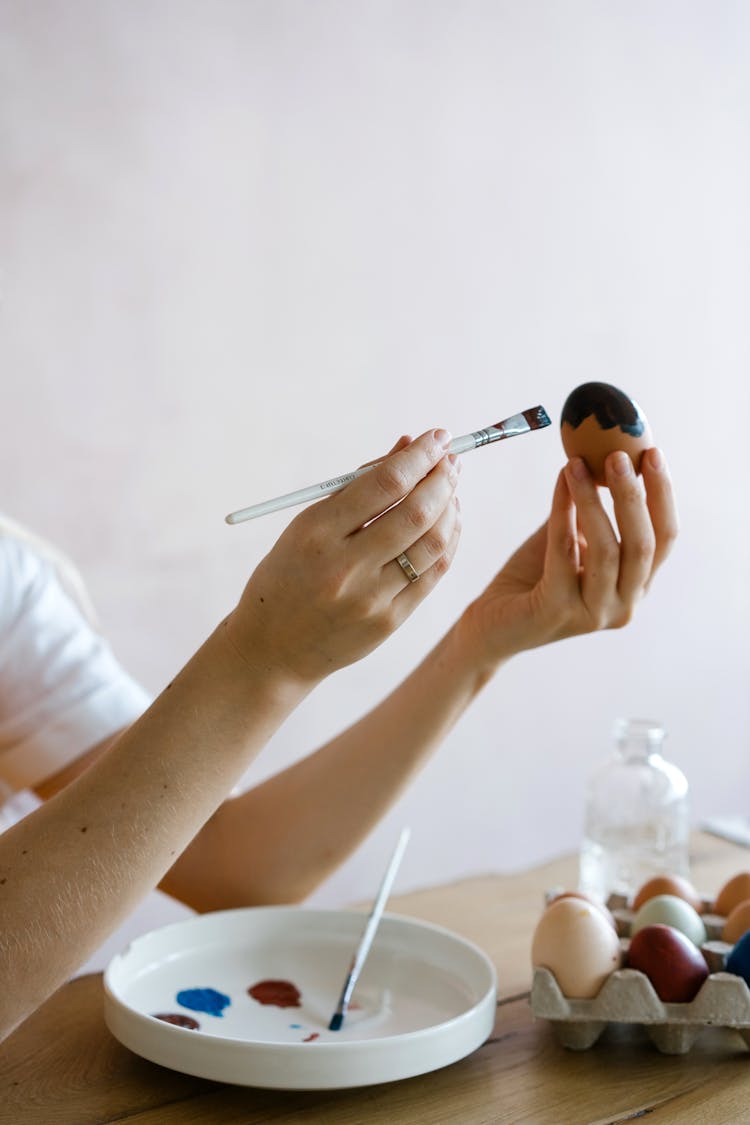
{"x":638,"y":738}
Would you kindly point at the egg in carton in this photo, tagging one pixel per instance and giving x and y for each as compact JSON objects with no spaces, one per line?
{"x":585,"y":994}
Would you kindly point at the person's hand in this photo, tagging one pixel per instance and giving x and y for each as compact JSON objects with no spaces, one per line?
{"x":576,"y":574}
{"x":331,"y":589}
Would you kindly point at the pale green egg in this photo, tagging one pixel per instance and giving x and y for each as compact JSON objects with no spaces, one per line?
{"x":669,"y":910}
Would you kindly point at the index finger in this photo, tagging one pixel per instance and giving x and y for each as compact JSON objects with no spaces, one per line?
{"x":402,"y":442}
{"x":387,"y":482}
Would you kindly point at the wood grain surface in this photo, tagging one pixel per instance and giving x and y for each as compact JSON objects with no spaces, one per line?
{"x":62,"y":1067}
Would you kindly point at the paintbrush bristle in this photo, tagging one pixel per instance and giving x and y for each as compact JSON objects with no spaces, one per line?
{"x":336,"y":1021}
{"x":537,"y":417}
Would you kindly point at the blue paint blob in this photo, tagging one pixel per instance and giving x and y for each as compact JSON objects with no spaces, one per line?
{"x":296,"y":1025}
{"x":738,"y":961}
{"x":206,"y":1000}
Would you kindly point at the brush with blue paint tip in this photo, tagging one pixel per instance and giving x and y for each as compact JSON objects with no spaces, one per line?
{"x":368,"y":934}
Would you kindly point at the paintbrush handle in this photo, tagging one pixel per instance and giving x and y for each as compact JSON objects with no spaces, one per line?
{"x":368,"y":934}
{"x":300,"y":496}
{"x":517,"y":424}
{"x":378,"y":906}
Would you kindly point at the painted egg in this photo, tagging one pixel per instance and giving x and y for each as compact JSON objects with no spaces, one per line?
{"x":738,"y":961}
{"x":734,"y":891}
{"x":589,"y":899}
{"x":668,"y":910}
{"x":675,"y":967}
{"x":596,"y":420}
{"x":669,"y":885}
{"x":578,"y":945}
{"x":738,"y":922}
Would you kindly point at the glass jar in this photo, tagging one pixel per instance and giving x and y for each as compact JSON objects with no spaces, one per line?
{"x":637,"y":815}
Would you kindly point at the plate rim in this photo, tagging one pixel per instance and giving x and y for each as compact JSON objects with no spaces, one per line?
{"x":472,"y":1025}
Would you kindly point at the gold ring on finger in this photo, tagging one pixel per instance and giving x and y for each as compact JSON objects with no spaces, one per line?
{"x":404,"y":562}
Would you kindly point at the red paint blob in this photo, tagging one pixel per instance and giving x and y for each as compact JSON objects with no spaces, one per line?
{"x":279,"y":993}
{"x":179,"y":1020}
{"x":309,"y":1039}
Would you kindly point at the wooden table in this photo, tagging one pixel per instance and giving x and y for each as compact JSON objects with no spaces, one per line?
{"x":62,"y":1067}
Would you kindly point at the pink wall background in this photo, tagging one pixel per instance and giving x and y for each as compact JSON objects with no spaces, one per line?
{"x":243,"y":246}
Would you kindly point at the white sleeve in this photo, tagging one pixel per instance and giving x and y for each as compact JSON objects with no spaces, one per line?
{"x":61,"y":689}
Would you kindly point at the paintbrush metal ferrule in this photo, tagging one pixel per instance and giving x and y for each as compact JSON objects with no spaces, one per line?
{"x":536,"y":418}
{"x":533,"y":419}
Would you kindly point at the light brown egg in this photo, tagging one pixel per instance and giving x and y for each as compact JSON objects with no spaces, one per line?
{"x":597,"y":419}
{"x":669,"y":885}
{"x":733,"y":892}
{"x":575,"y":941}
{"x":589,"y":899}
{"x":738,"y":922}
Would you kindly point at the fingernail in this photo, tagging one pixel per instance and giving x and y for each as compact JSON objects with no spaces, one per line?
{"x":578,"y":468}
{"x":620,"y":464}
{"x":656,"y":459}
{"x":442,"y":437}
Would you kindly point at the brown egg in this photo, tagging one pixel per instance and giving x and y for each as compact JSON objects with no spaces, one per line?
{"x":596,"y":420}
{"x":675,"y":967}
{"x":738,"y":922}
{"x":589,"y":899}
{"x":669,"y":885}
{"x":734,"y":891}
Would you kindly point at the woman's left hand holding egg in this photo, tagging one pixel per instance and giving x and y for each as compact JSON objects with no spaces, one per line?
{"x":580,"y":572}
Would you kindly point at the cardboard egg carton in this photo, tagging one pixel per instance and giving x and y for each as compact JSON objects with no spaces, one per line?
{"x":627,"y":996}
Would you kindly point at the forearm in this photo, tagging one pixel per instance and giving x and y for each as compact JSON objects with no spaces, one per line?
{"x":572,"y":576}
{"x":297,"y":827}
{"x":75,"y":868}
{"x":327,"y":593}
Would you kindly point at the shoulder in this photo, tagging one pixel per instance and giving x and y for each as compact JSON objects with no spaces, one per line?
{"x":38,"y":582}
{"x":62,"y":690}
{"x":21,"y":569}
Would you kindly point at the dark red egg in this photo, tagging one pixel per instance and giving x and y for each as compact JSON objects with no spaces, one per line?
{"x":675,"y":967}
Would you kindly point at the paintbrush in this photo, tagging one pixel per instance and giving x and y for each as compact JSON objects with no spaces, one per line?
{"x":368,"y":934}
{"x":534,"y":419}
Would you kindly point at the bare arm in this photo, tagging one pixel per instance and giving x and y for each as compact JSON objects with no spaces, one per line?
{"x":327,"y":594}
{"x":74,"y":869}
{"x":278,"y":841}
{"x":574,"y":575}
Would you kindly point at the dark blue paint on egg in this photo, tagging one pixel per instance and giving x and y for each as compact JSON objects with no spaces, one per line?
{"x":738,"y":961}
{"x":206,"y":1000}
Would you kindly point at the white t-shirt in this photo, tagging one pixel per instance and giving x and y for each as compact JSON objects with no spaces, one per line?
{"x":61,"y":692}
{"x":61,"y":689}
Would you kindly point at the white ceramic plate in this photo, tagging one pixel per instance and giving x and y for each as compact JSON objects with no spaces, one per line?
{"x":425,"y":998}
